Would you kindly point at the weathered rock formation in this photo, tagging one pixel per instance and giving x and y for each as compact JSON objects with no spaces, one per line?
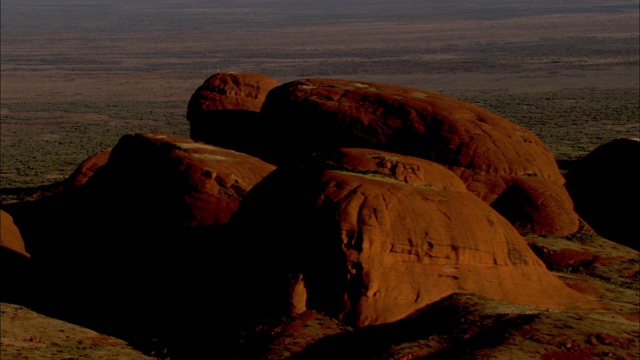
{"x":15,"y":261}
{"x":224,"y":110}
{"x":143,"y":233}
{"x":87,"y":168}
{"x":231,"y":91}
{"x":604,"y":188}
{"x":536,"y":205}
{"x":488,"y":152}
{"x":368,"y":237}
{"x":188,"y":182}
{"x":10,"y":237}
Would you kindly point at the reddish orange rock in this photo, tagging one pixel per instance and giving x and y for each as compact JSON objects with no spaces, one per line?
{"x":369,"y":237}
{"x":480,"y":146}
{"x":145,"y":224}
{"x":224,"y":110}
{"x":10,"y":237}
{"x":485,"y":150}
{"x":231,"y":91}
{"x":87,"y":168}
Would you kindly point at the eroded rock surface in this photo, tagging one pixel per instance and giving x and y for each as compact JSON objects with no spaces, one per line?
{"x":10,"y":237}
{"x":488,"y":152}
{"x":372,"y":236}
{"x":539,"y":206}
{"x":231,"y":91}
{"x":15,"y":261}
{"x":142,"y":234}
{"x":224,"y":110}
{"x":198,"y":184}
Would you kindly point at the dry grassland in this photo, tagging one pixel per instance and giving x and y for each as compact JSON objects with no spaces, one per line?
{"x":76,"y":77}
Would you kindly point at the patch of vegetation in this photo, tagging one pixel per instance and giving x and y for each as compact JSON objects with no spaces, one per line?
{"x":570,"y":122}
{"x":44,"y":142}
{"x":129,"y":110}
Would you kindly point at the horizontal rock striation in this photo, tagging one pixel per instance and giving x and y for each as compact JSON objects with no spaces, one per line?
{"x":369,"y":237}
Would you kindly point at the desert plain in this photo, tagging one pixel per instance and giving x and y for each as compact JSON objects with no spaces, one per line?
{"x":77,"y":76}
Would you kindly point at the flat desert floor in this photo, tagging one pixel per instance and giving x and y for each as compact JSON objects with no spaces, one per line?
{"x":76,"y":77}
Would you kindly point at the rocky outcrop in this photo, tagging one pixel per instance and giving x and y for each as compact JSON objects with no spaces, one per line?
{"x":604,"y":188}
{"x":87,"y":168}
{"x":488,"y":152}
{"x":538,"y":206}
{"x":368,"y":237}
{"x":15,"y":262}
{"x":184,"y":181}
{"x":224,"y":110}
{"x":10,"y":237}
{"x":143,"y":233}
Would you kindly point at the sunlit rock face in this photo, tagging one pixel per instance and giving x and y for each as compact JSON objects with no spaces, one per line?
{"x":369,"y":237}
{"x":604,"y":188}
{"x":10,"y":237}
{"x":231,"y":91}
{"x":488,"y":152}
{"x":15,"y":262}
{"x":224,"y":110}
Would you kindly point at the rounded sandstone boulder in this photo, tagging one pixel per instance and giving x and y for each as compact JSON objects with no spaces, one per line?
{"x":488,"y":152}
{"x":231,"y":91}
{"x":87,"y":168}
{"x":368,"y":237}
{"x":10,"y":236}
{"x":224,"y":110}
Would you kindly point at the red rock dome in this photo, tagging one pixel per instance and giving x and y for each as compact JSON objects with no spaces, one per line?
{"x":232,"y":91}
{"x":224,"y":110}
{"x":488,"y":152}
{"x":369,"y":236}
{"x":199,"y":183}
{"x":10,"y":237}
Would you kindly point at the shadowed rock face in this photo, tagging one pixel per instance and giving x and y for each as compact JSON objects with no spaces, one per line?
{"x":231,"y":91}
{"x":488,"y":152}
{"x":368,"y":237}
{"x":224,"y":110}
{"x":538,"y":206}
{"x":142,"y":231}
{"x":197,"y":184}
{"x":604,"y":188}
{"x":87,"y":168}
{"x":15,"y":261}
